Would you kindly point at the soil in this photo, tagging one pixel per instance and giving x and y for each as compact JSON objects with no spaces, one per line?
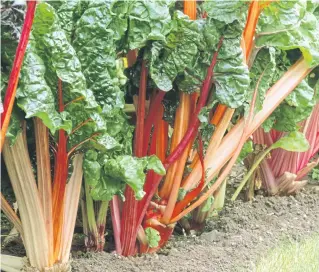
{"x":233,"y":241}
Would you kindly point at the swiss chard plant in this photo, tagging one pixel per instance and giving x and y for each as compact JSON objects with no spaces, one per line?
{"x":202,"y":77}
{"x":228,"y":78}
{"x":73,"y":94}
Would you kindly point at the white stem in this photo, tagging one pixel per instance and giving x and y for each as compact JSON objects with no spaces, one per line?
{"x":11,"y":263}
{"x":24,"y":185}
{"x":71,"y":202}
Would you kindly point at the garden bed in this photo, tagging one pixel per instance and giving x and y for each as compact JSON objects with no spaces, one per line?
{"x":234,"y":241}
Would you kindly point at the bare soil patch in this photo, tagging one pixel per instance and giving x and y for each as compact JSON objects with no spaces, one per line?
{"x":233,"y":241}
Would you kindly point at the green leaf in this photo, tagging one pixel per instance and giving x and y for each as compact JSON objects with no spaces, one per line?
{"x":106,"y":188}
{"x":288,"y":25}
{"x":296,"y":108}
{"x":155,"y":164}
{"x":15,"y":125}
{"x":294,"y":141}
{"x":226,"y":11}
{"x":261,"y":74}
{"x":148,"y":21}
{"x":69,"y":12}
{"x":106,"y":142}
{"x":315,"y":174}
{"x":129,"y":170}
{"x":121,"y":170}
{"x":91,"y":168}
{"x":231,"y":75}
{"x":96,"y":35}
{"x":181,"y":194}
{"x":11,"y":21}
{"x":269,"y":123}
{"x":246,"y":150}
{"x":52,"y":43}
{"x":34,"y":96}
{"x":16,"y":118}
{"x":153,"y":237}
{"x":167,"y":60}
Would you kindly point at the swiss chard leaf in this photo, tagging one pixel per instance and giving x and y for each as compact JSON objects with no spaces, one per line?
{"x":116,"y":172}
{"x":226,"y":11}
{"x":296,"y":107}
{"x":288,"y":25}
{"x":52,"y":42}
{"x":167,"y":60}
{"x":153,"y":237}
{"x":34,"y":96}
{"x":148,"y":21}
{"x":294,"y":141}
{"x":231,"y":75}
{"x":261,"y":74}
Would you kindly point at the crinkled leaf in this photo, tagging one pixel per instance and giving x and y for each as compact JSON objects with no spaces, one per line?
{"x":153,"y":237}
{"x":155,"y":164}
{"x":294,"y":141}
{"x":167,"y":60}
{"x":315,"y":174}
{"x":91,"y":168}
{"x":15,"y":125}
{"x":68,"y":12}
{"x":226,"y":11}
{"x":124,"y":169}
{"x":106,"y":188}
{"x":231,"y":75}
{"x":269,"y":123}
{"x":34,"y":96}
{"x":261,"y":74}
{"x":296,"y":107}
{"x":11,"y":23}
{"x":100,"y":28}
{"x":106,"y":142}
{"x":149,"y":20}
{"x":52,"y":42}
{"x":288,"y":25}
{"x":95,"y":36}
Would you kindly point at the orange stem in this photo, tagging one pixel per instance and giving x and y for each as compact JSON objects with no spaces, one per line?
{"x":194,"y":193}
{"x":250,"y":28}
{"x":218,"y":115}
{"x":190,"y":9}
{"x":174,"y":176}
{"x":180,"y":127}
{"x":228,"y":149}
{"x":174,"y":179}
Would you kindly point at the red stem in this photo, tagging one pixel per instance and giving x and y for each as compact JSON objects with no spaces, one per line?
{"x":151,"y":185}
{"x":151,"y":118}
{"x":60,"y":178}
{"x":15,"y":70}
{"x":129,"y":224}
{"x":194,"y":123}
{"x":139,"y":132}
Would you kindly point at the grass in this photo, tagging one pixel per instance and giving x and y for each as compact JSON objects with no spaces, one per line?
{"x":300,"y":256}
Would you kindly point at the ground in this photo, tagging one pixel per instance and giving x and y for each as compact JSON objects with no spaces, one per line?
{"x":239,"y":239}
{"x":243,"y":233}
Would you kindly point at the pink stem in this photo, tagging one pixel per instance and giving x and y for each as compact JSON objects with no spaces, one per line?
{"x":116,"y":223}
